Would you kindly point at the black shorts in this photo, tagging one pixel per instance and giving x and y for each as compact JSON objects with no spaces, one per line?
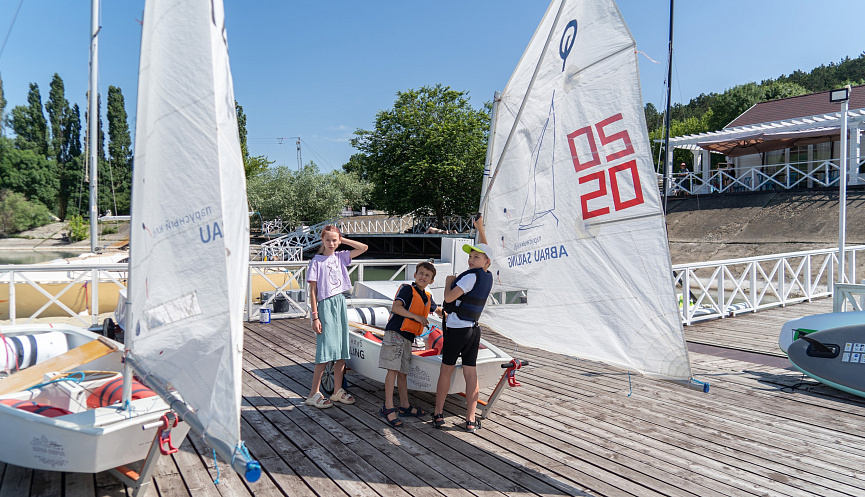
{"x":461,"y":342}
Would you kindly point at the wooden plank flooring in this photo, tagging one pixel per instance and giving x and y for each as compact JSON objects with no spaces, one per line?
{"x":573,"y":428}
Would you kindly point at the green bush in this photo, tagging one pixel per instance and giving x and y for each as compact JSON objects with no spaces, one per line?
{"x":19,"y":214}
{"x":78,"y":228}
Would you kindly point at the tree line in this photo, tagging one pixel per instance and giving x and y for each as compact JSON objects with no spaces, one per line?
{"x":713,"y":111}
{"x":45,"y":160}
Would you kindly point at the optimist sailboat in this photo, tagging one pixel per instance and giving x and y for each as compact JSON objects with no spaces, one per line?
{"x":595,"y":263}
{"x":183,"y":326}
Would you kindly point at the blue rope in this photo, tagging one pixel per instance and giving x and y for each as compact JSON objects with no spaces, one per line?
{"x":68,"y":378}
{"x":216,"y":464}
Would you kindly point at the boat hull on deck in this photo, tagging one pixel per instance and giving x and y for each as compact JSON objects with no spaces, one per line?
{"x":88,"y":441}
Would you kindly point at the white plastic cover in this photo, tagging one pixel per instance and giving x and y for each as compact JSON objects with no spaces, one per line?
{"x":573,"y":211}
{"x":189,"y":230}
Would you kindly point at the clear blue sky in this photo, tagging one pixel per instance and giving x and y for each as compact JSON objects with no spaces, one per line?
{"x":320,"y":70}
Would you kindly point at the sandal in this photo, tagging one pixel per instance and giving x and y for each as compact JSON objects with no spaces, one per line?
{"x":473,"y":426}
{"x":342,"y":396}
{"x":318,"y":401}
{"x":396,"y":423}
{"x":413,"y":411}
{"x":438,"y":420}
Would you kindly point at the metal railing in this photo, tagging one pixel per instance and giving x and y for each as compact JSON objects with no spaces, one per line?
{"x":308,"y":237}
{"x":718,"y":289}
{"x":784,"y":176}
{"x":710,"y":290}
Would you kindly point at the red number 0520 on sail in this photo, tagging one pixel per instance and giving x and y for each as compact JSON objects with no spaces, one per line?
{"x":593,"y":141}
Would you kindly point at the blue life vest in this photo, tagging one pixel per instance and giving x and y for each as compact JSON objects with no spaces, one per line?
{"x":469,"y":306}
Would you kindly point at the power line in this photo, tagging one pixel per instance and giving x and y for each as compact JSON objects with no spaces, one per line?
{"x":9,"y":31}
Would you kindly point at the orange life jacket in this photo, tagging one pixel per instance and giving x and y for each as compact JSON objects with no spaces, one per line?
{"x":416,"y":307}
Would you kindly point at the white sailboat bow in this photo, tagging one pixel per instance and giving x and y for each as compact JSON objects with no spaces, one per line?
{"x":572,"y":210}
{"x":189,"y":231}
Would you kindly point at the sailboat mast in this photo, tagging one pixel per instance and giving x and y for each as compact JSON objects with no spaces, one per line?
{"x":668,"y":157}
{"x":488,"y":163}
{"x":92,"y":116}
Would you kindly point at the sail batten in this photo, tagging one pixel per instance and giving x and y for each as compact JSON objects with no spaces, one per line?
{"x":572,"y":211}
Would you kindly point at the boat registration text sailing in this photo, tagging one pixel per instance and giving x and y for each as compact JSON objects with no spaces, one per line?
{"x":537,"y":255}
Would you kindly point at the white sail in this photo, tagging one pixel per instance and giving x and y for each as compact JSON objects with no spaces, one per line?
{"x":189,"y":231}
{"x":572,"y":211}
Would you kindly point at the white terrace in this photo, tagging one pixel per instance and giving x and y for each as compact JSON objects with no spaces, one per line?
{"x":803,"y":152}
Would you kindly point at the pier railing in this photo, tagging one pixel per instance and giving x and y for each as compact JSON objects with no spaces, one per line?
{"x":709,"y":290}
{"x":782,"y":176}
{"x":718,"y":289}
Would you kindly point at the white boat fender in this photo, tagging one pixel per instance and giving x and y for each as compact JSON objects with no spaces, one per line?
{"x":373,"y":316}
{"x":24,"y":351}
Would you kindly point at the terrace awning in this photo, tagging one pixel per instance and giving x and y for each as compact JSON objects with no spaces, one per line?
{"x":762,"y":141}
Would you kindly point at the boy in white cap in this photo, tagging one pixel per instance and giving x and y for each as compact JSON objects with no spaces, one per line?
{"x":465,"y":296}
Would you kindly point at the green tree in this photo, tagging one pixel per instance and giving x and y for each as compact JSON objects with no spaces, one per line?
{"x":306,"y":195}
{"x":29,"y":173}
{"x":426,"y":154}
{"x":73,"y":194}
{"x":2,"y":109}
{"x":119,"y":155}
{"x":29,"y":124}
{"x":18,"y":214}
{"x":252,"y":166}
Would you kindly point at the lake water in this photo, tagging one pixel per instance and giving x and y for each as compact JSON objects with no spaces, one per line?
{"x":33,"y":256}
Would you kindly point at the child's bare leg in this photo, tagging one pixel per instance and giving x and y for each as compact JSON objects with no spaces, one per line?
{"x":338,"y":373}
{"x":389,"y":381}
{"x":443,"y":386}
{"x":471,"y":375}
{"x":317,"y":373}
{"x":402,"y":386}
{"x":388,"y":392}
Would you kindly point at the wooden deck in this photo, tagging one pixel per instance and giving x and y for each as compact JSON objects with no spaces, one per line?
{"x":573,"y":428}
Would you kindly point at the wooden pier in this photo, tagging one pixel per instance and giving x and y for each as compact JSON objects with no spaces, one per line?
{"x":573,"y":428}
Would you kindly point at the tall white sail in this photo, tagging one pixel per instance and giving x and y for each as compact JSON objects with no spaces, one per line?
{"x":572,"y":211}
{"x":189,"y":235}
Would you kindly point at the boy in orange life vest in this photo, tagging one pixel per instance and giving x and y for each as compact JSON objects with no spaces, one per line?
{"x":408,"y":317}
{"x":465,"y":296}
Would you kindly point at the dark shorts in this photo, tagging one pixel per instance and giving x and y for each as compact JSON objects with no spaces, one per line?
{"x":461,"y":342}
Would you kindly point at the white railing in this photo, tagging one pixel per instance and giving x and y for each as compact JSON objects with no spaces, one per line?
{"x":289,"y":282}
{"x":844,"y":298}
{"x":783,"y":176}
{"x":718,"y":289}
{"x":710,"y":290}
{"x":57,"y":285}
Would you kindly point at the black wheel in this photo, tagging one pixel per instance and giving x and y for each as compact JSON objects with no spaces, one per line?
{"x":327,"y":379}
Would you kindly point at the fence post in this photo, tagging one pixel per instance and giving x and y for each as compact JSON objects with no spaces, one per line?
{"x":686,"y":296}
{"x":12,"y":305}
{"x":809,"y":288}
{"x":782,"y":280}
{"x":94,"y":296}
{"x":722,"y":294}
{"x":753,"y":284}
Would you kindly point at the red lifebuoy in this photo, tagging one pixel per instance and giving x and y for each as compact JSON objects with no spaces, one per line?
{"x":35,"y":408}
{"x":112,"y":392}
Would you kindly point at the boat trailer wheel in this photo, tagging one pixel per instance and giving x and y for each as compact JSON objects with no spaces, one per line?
{"x":327,"y":379}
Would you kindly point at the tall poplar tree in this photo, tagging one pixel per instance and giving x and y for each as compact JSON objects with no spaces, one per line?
{"x":119,"y":153}
{"x":29,"y":124}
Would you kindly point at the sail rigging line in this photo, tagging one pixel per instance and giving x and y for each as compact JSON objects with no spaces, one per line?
{"x":488,"y":162}
{"x":668,"y":157}
{"x":9,"y":31}
{"x":528,"y":89}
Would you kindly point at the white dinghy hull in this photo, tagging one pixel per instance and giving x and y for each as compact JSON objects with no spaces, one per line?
{"x":89,"y":441}
{"x":424,"y":373}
